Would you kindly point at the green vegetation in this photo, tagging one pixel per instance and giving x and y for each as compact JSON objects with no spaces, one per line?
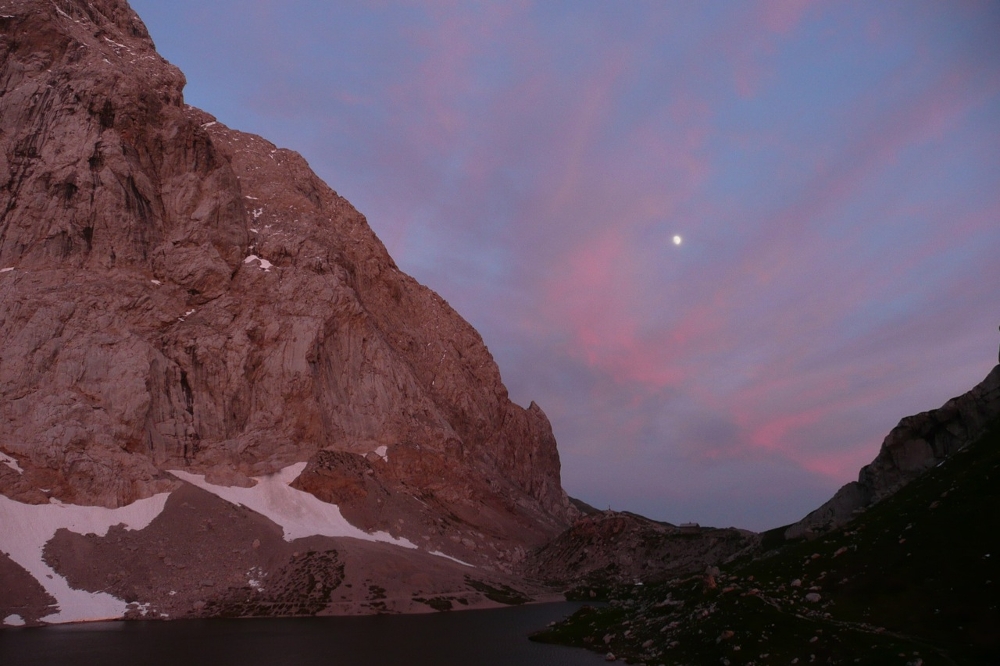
{"x":914,"y":580}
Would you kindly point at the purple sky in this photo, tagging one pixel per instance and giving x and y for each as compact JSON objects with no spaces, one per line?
{"x":833,"y":169}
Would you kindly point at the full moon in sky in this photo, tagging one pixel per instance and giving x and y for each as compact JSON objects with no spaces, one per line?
{"x":677,"y":240}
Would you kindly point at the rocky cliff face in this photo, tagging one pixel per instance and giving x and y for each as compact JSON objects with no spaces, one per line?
{"x":175,"y":294}
{"x":917,"y":444}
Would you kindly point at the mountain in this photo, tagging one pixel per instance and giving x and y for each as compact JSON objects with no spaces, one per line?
{"x":213,"y":372}
{"x":908,"y":579}
{"x":917,"y":444}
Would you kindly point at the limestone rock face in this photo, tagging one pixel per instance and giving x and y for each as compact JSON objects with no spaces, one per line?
{"x":178,"y":294}
{"x":917,"y":444}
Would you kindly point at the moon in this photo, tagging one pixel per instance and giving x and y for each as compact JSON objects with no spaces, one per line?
{"x":678,"y":240}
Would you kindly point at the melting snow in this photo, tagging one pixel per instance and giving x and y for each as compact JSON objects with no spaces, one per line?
{"x":449,"y":557}
{"x":265,"y":265}
{"x":28,"y":527}
{"x":255,"y":577}
{"x":10,"y":462}
{"x":299,"y":514}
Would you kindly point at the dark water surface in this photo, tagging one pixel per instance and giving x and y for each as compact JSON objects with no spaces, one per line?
{"x":486,"y":637}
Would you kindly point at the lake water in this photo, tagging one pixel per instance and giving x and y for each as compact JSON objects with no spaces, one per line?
{"x":467,"y":638}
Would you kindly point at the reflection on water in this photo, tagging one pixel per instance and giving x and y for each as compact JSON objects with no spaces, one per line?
{"x":486,"y":638}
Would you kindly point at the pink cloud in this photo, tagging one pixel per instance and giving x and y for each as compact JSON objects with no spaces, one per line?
{"x":783,"y":16}
{"x":751,"y":41}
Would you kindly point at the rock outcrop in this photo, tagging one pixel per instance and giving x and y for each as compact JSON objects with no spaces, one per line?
{"x":917,"y":444}
{"x":609,"y":547}
{"x":175,"y":294}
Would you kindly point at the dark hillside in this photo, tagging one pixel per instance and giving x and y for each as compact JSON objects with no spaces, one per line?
{"x":913,"y":580}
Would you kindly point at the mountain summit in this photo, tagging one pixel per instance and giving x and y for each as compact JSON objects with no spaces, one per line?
{"x":189,"y":315}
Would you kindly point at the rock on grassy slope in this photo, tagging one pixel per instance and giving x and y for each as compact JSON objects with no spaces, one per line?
{"x":912,"y":580}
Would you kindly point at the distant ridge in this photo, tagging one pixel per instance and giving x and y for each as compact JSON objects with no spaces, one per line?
{"x":918,"y":443}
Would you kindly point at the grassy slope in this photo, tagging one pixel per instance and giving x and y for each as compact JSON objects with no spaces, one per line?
{"x":915,"y":579}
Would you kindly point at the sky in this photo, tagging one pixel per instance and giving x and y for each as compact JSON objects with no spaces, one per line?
{"x":832,"y":170}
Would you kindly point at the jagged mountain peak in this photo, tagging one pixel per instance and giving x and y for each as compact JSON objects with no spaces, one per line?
{"x":179,"y":295}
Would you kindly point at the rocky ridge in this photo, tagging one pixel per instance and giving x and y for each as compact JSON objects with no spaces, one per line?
{"x":910,"y":580}
{"x":612,"y":547}
{"x":919,"y":443}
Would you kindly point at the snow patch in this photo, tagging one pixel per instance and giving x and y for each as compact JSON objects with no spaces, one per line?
{"x":10,"y":462}
{"x":142,"y":608}
{"x":382,"y":452}
{"x":156,"y":282}
{"x":255,"y":577}
{"x":6,"y":270}
{"x":257,"y":212}
{"x":299,"y":514}
{"x":449,"y":557}
{"x":265,"y":265}
{"x":14,"y":620}
{"x":207,"y":125}
{"x":28,"y":527}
